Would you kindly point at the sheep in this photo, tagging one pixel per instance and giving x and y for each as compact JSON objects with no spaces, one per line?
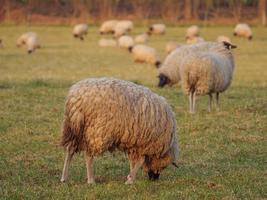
{"x":122,"y":27}
{"x":108,"y":27}
{"x":243,"y":30}
{"x":192,"y":31}
{"x":194,"y":40}
{"x":125,"y":41}
{"x":207,"y":71}
{"x":158,"y":29}
{"x":119,"y":31}
{"x":80,"y":30}
{"x":222,"y":38}
{"x":141,"y":38}
{"x":107,"y":42}
{"x":104,"y":114}
{"x":30,"y":40}
{"x":143,"y":53}
{"x":170,"y":46}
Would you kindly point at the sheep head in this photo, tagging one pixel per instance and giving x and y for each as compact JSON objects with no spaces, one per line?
{"x":163,"y":80}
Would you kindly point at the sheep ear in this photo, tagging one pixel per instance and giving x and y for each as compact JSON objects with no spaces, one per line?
{"x":175,"y":165}
{"x":229,"y":45}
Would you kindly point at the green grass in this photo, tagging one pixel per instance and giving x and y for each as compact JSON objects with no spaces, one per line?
{"x":223,"y":154}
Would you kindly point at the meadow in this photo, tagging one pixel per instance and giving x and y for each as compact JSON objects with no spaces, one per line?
{"x":223,"y":154}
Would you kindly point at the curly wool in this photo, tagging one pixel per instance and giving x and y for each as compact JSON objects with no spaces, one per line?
{"x":207,"y":71}
{"x":103,"y":114}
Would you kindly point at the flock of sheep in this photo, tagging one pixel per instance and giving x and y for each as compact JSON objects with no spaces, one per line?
{"x":104,"y":114}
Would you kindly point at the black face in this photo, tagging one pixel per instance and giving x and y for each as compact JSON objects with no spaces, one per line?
{"x":250,"y":37}
{"x":157,"y":64}
{"x":163,"y":80}
{"x":229,"y":45}
{"x":153,"y":176}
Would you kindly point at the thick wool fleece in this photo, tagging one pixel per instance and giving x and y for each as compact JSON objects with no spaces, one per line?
{"x":103,"y":114}
{"x":207,"y":71}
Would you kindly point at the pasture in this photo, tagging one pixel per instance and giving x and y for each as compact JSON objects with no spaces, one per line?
{"x":223,"y":154}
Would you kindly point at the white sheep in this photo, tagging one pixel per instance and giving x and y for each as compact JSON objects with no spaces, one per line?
{"x":192,"y":31}
{"x":207,"y":71}
{"x":122,"y":27}
{"x":146,"y":54}
{"x":222,"y":38}
{"x":157,"y":29}
{"x":194,"y":40}
{"x":80,"y":30}
{"x":171,"y":46}
{"x":108,"y":27}
{"x":107,"y":42}
{"x":125,"y":41}
{"x":30,"y":40}
{"x":119,"y":31}
{"x":141,"y":38}
{"x":105,"y":114}
{"x":243,"y":30}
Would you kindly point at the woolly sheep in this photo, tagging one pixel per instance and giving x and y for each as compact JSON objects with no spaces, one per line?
{"x":158,"y":29}
{"x":243,"y":30}
{"x":30,"y":40}
{"x":141,"y":38}
{"x":223,"y":38}
{"x":194,"y":40}
{"x":206,"y":72}
{"x":192,"y":31}
{"x":119,"y":31}
{"x":107,"y":42}
{"x":108,"y":26}
{"x":80,"y":30}
{"x":122,"y":27}
{"x":143,"y":53}
{"x":125,"y":41}
{"x":104,"y":114}
{"x":170,"y":46}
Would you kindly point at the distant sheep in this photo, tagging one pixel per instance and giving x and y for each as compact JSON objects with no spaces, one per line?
{"x":206,"y":72}
{"x":119,"y":31}
{"x":107,"y":42}
{"x":125,"y":41}
{"x":192,"y":31}
{"x":104,"y":114}
{"x":146,"y":54}
{"x":108,"y":27}
{"x":194,"y":40}
{"x":122,"y":27}
{"x":170,"y":46}
{"x":243,"y":30}
{"x":157,"y":29}
{"x":141,"y":38}
{"x":30,"y":40}
{"x":223,"y":38}
{"x":80,"y":30}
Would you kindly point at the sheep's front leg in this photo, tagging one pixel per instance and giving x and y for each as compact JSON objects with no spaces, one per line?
{"x":68,"y":157}
{"x":89,"y":168}
{"x":134,"y":168}
{"x":190,"y":102}
{"x":210,"y":102}
{"x":217,"y":101}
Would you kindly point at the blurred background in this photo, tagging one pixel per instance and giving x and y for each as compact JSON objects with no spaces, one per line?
{"x":141,"y":11}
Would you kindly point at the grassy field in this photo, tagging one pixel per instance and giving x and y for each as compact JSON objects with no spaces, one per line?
{"x":223,"y":154}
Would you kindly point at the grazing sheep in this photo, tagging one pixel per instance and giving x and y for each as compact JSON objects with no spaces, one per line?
{"x":194,"y":40}
{"x":104,"y":114}
{"x":119,"y":31}
{"x":125,"y":41}
{"x":223,"y":38}
{"x":146,"y":54}
{"x":80,"y":30}
{"x":207,"y":71}
{"x":170,"y":46}
{"x":141,"y":38}
{"x":192,"y":31}
{"x":30,"y":40}
{"x":108,"y":27}
{"x":122,"y":27}
{"x":157,"y":29}
{"x":243,"y":30}
{"x":107,"y":42}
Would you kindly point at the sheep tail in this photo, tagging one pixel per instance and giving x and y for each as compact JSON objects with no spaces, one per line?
{"x":72,"y":132}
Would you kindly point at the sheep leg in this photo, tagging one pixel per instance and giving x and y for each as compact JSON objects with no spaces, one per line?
{"x":210,"y":102}
{"x":190,"y":102}
{"x":217,"y":101}
{"x":89,"y":168}
{"x":68,"y":157}
{"x":131,"y":177}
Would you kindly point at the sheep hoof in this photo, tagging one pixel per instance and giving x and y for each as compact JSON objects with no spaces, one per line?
{"x":62,"y":180}
{"x":129,"y":180}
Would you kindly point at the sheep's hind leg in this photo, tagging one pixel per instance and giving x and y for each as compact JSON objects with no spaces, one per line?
{"x":89,"y":168}
{"x":217,"y":101}
{"x":68,"y":157}
{"x":210,"y":102}
{"x":131,"y":177}
{"x":192,"y":102}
